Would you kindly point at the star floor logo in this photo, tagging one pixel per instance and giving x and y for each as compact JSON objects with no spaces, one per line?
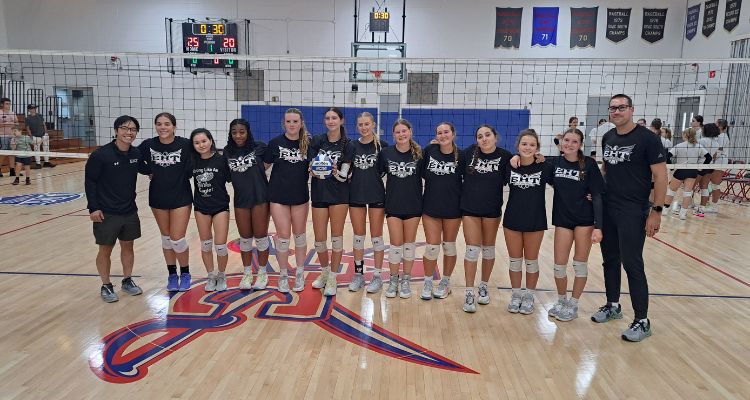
{"x":123,"y":357}
{"x":40,"y":199}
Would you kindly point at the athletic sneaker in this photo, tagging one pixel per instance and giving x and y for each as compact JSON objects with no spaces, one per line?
{"x":683,"y":214}
{"x":515,"y":302}
{"x":129,"y":287}
{"x":358,"y":282}
{"x":299,"y":280}
{"x":320,"y":281}
{"x":607,"y":313}
{"x":710,"y":209}
{"x":469,"y":305}
{"x":443,"y":289}
{"x":404,"y":290}
{"x":484,"y":295}
{"x":221,"y":281}
{"x":376,"y":283}
{"x":699,"y":212}
{"x":392,"y":290}
{"x":527,"y":304}
{"x":108,"y":295}
{"x":675,"y":208}
{"x":331,"y":286}
{"x":284,"y":284}
{"x":262,"y":280}
{"x":185,"y":281}
{"x":561,"y":303}
{"x":247,"y":279}
{"x":211,"y":282}
{"x":426,"y":291}
{"x":173,"y":283}
{"x":567,"y":313}
{"x":637,"y":331}
{"x":49,"y":164}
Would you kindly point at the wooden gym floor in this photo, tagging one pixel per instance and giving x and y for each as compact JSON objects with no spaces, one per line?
{"x":58,"y":340}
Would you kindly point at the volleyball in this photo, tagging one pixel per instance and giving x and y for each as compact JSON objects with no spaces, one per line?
{"x":321,"y":166}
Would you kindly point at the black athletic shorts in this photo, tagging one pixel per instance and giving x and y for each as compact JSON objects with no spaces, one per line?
{"x":682,"y":174}
{"x":23,"y":160}
{"x":212,"y":212}
{"x":114,"y":227}
{"x":403,"y":217}
{"x":478,"y":215}
{"x":700,"y":173}
{"x":323,"y":204}
{"x":370,"y":205}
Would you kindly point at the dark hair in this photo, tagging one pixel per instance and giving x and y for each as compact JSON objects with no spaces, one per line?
{"x":121,"y":120}
{"x":453,"y":130}
{"x":195,"y":133}
{"x":656,"y":123}
{"x":527,"y":132}
{"x":581,"y":157}
{"x":231,"y":147}
{"x":698,"y":118}
{"x":722,"y":123}
{"x":3,"y":100}
{"x":342,"y":129}
{"x":475,"y":154}
{"x":711,"y":130}
{"x":169,"y":116}
{"x":416,"y":151}
{"x":601,"y":121}
{"x":622,"y":96}
{"x":570,"y":120}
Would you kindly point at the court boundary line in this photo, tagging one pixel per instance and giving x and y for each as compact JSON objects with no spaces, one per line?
{"x":717,"y":269}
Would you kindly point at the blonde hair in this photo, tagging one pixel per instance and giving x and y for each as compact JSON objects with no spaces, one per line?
{"x":375,"y":134}
{"x":304,"y":136}
{"x":689,"y":135}
{"x":416,"y":151}
{"x":453,"y":142}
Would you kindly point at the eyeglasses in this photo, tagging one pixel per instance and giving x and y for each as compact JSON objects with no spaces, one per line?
{"x":128,"y":129}
{"x":619,"y":108}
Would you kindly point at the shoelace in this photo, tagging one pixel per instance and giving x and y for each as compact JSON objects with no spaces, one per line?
{"x":482,"y":291}
{"x":470,"y":298}
{"x":638,"y":325}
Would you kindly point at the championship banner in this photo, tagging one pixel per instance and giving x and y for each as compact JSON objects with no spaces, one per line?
{"x":732,"y":14}
{"x":583,"y":27}
{"x":544,"y":31}
{"x":508,"y":27}
{"x":710,"y":12}
{"x":691,"y":23}
{"x":618,"y":23}
{"x":654,"y":20}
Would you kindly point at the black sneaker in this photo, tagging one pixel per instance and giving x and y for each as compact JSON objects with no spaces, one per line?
{"x":36,"y":166}
{"x":16,"y":181}
{"x":129,"y":287}
{"x":108,"y":294}
{"x":12,"y":172}
{"x":28,"y":181}
{"x":48,"y":164}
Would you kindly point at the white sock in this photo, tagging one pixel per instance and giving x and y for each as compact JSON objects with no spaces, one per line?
{"x":615,"y":305}
{"x":428,"y":279}
{"x":644,"y":320}
{"x":573,"y":301}
{"x":284,"y":272}
{"x":531,"y":291}
{"x":562,"y":296}
{"x":249,"y":270}
{"x":326,"y":270}
{"x":516,"y":291}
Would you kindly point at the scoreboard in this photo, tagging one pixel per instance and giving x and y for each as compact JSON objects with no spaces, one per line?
{"x":209,"y":38}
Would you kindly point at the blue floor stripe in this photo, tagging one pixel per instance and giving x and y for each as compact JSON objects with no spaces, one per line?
{"x":58,"y":274}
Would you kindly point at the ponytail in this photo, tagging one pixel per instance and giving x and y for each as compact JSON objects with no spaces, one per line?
{"x":581,"y":165}
{"x":474,"y":155}
{"x":416,"y":151}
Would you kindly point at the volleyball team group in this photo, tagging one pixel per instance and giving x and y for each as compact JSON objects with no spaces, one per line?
{"x":441,"y":185}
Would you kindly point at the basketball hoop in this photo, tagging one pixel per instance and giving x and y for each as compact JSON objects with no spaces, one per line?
{"x":377,"y":75}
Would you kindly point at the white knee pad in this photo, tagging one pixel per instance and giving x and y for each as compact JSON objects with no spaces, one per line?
{"x":449,"y":249}
{"x":282,"y":245}
{"x":179,"y":245}
{"x":532,"y":266}
{"x":300,"y":240}
{"x":207,"y":245}
{"x":670,"y":192}
{"x":488,"y":252}
{"x":560,"y":270}
{"x":687,"y":194}
{"x":358,"y":242}
{"x":431,"y":252}
{"x":321,"y":247}
{"x":378,"y":244}
{"x":472,"y":253}
{"x":246,"y":244}
{"x":581,"y":268}
{"x":705,"y":192}
{"x":337,"y":243}
{"x":395,"y":254}
{"x":221,"y":250}
{"x":515,"y":264}
{"x":166,"y":243}
{"x":263,"y":243}
{"x":410,"y":251}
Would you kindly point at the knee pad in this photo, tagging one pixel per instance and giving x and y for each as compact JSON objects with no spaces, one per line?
{"x":321,"y":247}
{"x":358,"y":242}
{"x":179,"y":245}
{"x":282,"y":245}
{"x":410,"y":251}
{"x":515,"y":265}
{"x":221,"y":250}
{"x":207,"y":245}
{"x":431,"y":252}
{"x":581,"y":268}
{"x":337,"y":243}
{"x":449,"y":249}
{"x":166,"y":243}
{"x":263,"y":243}
{"x":532,"y":266}
{"x":378,"y":244}
{"x":246,"y":244}
{"x":560,"y":270}
{"x":705,"y":192}
{"x":472,"y":253}
{"x":394,"y":254}
{"x":670,"y":192}
{"x":488,"y":252}
{"x":300,"y":240}
{"x":687,"y":194}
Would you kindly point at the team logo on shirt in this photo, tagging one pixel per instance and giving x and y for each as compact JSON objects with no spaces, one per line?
{"x":441,"y":167}
{"x":487,"y":166}
{"x":617,"y":154}
{"x":203,"y":180}
{"x":167,"y":158}
{"x":365,"y":161}
{"x":334,"y":155}
{"x":242,"y":163}
{"x":525,"y":181}
{"x":402,"y":169}
{"x":572,"y":174}
{"x":290,"y":155}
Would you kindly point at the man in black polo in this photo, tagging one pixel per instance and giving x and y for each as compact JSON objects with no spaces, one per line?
{"x":111,"y":174}
{"x":632,"y":156}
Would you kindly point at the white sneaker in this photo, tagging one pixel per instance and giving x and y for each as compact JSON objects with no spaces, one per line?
{"x":561,"y":303}
{"x":527,"y":304}
{"x":404,"y":290}
{"x":221,"y":281}
{"x":470,"y":305}
{"x":484,"y":295}
{"x":515,"y":302}
{"x":262,"y":280}
{"x":710,"y":209}
{"x":392,"y":289}
{"x":331,"y":286}
{"x":320,"y":281}
{"x":211,"y":282}
{"x":683,"y":214}
{"x":675,"y":208}
{"x":376,"y":283}
{"x":426,"y":291}
{"x":284,"y":284}
{"x":299,"y":280}
{"x":247,"y":279}
{"x":358,"y":282}
{"x":443,"y":289}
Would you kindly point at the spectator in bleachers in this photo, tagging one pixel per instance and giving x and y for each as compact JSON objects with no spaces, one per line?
{"x":39,"y":136}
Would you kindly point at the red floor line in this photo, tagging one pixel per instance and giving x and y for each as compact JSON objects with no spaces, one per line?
{"x":703,"y":262}
{"x":41,"y":222}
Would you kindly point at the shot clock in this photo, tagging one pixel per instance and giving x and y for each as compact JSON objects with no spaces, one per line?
{"x":209,"y":38}
{"x":380,"y":21}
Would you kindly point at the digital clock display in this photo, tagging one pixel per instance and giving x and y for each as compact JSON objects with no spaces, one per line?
{"x":380,"y":21}
{"x":199,"y":38}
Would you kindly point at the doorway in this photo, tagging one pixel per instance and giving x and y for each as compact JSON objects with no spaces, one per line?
{"x":77,"y":113}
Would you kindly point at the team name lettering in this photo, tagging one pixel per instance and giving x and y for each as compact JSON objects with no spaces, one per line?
{"x":441,"y":167}
{"x":487,"y":166}
{"x":402,"y":169}
{"x":242,"y":163}
{"x":572,"y":174}
{"x":525,"y":181}
{"x":617,"y":154}
{"x":365,"y":161}
{"x":167,"y":158}
{"x":290,"y":155}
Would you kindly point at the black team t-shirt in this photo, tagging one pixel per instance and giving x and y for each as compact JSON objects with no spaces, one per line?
{"x":442,"y":183}
{"x":110,"y":178}
{"x":288,"y":182}
{"x":248,"y":175}
{"x":366,"y":185}
{"x":627,"y":166}
{"x":570,"y":202}
{"x":331,"y":190}
{"x":169,"y":166}
{"x":210,"y":177}
{"x":403,"y":187}
{"x":526,"y":209}
{"x":484,"y":178}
